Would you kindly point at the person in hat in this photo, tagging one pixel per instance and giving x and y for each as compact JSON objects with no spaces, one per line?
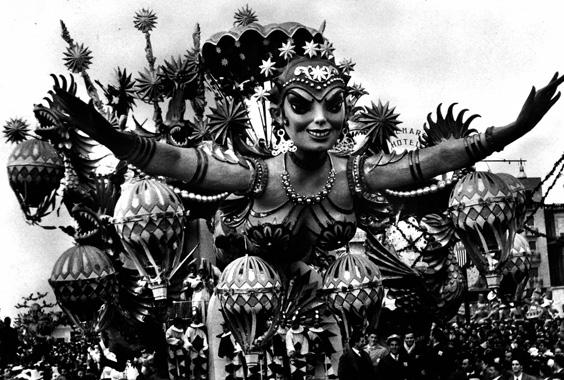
{"x":297,"y":347}
{"x":395,"y":365}
{"x":196,"y":342}
{"x":177,"y":366}
{"x":375,"y":349}
{"x":355,"y":364}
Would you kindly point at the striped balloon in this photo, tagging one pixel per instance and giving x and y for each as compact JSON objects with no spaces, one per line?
{"x":248,"y":291}
{"x":149,"y":217}
{"x":518,"y":191}
{"x":84,"y":280}
{"x":353,"y":285}
{"x":35,"y":170}
{"x":482,"y":208}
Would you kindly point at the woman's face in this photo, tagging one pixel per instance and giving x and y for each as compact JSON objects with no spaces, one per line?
{"x":314,"y":125}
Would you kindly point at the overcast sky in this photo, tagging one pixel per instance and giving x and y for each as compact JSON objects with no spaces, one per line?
{"x":485,"y":55}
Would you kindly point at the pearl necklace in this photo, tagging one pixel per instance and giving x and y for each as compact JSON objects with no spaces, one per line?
{"x":301,"y":199}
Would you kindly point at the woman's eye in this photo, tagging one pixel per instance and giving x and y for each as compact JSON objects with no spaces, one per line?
{"x":299,"y":107}
{"x":335,"y":106}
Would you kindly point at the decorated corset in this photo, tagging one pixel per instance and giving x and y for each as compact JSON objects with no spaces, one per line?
{"x":290,"y":231}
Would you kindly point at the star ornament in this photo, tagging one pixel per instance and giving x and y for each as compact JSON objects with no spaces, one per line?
{"x":267,"y":68}
{"x":311,"y":48}
{"x":319,"y":73}
{"x":287,"y":50}
{"x":346,"y":66}
{"x":260,"y":94}
{"x":327,"y":49}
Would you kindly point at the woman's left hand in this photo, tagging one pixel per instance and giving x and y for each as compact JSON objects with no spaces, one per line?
{"x":537,"y":104}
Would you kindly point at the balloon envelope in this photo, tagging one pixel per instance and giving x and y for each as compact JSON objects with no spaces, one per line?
{"x":84,"y":280}
{"x":248,"y":292}
{"x":354,"y":288}
{"x":482,"y":208}
{"x":35,"y":170}
{"x":149,"y":218}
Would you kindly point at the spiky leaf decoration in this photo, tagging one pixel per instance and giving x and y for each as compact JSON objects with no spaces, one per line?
{"x":379,"y":123}
{"x":200,"y":132}
{"x":149,"y":87}
{"x":245,"y":16}
{"x":227,"y":119}
{"x":178,"y":72}
{"x":121,"y":93}
{"x":65,"y":34}
{"x":446,"y":128}
{"x":77,"y":58}
{"x":145,"y":20}
{"x":16,"y":130}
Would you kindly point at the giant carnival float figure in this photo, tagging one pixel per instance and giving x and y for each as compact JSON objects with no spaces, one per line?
{"x":304,"y":202}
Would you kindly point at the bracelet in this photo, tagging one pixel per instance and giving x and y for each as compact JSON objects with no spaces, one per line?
{"x":259,"y":177}
{"x":475,"y":149}
{"x":414,"y":165}
{"x":355,"y":174}
{"x":141,"y":151}
{"x":201,"y":167}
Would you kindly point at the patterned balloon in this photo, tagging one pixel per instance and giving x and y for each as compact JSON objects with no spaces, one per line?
{"x":516,"y":269}
{"x":482,"y":208}
{"x":353,"y":285}
{"x":520,"y":197}
{"x":84,"y":280}
{"x":35,"y":171}
{"x":248,"y":291}
{"x":149,"y":218}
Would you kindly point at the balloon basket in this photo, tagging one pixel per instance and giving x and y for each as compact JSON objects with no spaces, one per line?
{"x":493,"y":280}
{"x":159,"y":291}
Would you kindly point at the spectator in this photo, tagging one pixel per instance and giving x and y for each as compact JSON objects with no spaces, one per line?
{"x":375,"y":349}
{"x":355,"y":364}
{"x":393,"y":366}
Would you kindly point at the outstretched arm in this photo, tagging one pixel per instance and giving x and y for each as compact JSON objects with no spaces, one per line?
{"x":381,"y":172}
{"x":199,"y":167}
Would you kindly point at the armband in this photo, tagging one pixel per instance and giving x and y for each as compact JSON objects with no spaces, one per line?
{"x":415,"y":165}
{"x":201,"y":167}
{"x":259,"y":178}
{"x":355,"y":174}
{"x":141,"y":151}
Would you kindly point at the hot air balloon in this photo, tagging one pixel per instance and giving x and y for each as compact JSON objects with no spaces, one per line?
{"x":482,"y":208}
{"x":150,"y":221}
{"x":520,"y":197}
{"x":84,"y":281}
{"x":35,"y":171}
{"x":248,"y":292}
{"x":353,"y":287}
{"x":516,"y":269}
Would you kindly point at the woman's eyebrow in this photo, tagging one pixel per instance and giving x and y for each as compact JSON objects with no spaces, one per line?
{"x":334,"y":96}
{"x":301,"y":96}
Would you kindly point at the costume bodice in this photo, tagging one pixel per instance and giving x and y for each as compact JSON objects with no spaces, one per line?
{"x":282,"y":231}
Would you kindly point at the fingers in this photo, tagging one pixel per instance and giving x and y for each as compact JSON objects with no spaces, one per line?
{"x":554,"y":100}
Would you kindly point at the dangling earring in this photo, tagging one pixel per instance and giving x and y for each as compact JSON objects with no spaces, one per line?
{"x":285,"y":143}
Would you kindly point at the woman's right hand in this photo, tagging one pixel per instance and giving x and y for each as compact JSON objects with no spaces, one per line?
{"x":82,"y":116}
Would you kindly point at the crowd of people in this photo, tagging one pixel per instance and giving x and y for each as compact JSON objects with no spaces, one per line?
{"x":498,"y":342}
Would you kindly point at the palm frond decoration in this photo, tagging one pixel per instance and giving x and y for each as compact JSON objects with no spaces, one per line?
{"x":178,"y":72}
{"x":16,"y":130}
{"x":354,"y":93}
{"x":200,"y":132}
{"x":378,"y":123}
{"x":77,"y":58}
{"x":447,"y":127}
{"x":245,"y":16}
{"x":145,"y":20}
{"x":65,"y":34}
{"x":149,"y":86}
{"x":121,"y":93}
{"x":227,"y":119}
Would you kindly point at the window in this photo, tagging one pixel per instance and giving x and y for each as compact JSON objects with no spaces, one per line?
{"x":533,"y":245}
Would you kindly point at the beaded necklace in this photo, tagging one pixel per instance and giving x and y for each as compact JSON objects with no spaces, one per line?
{"x":301,"y":199}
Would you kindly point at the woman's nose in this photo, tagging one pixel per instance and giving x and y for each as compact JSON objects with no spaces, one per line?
{"x":319,"y":117}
